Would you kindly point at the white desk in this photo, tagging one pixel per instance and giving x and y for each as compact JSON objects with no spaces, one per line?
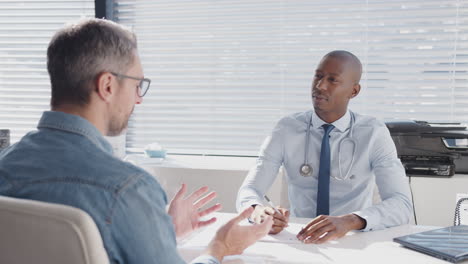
{"x":357,"y":247}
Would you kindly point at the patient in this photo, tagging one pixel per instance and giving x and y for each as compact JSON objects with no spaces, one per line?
{"x":97,"y":78}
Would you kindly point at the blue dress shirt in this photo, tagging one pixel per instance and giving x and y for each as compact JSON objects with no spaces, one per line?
{"x":68,"y":161}
{"x":375,"y":164}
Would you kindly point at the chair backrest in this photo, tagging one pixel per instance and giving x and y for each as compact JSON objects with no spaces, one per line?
{"x":39,"y":232}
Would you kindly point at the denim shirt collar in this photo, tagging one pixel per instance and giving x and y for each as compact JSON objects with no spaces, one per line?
{"x":74,"y":124}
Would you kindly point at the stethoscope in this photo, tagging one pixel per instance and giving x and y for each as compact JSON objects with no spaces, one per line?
{"x":306,"y":169}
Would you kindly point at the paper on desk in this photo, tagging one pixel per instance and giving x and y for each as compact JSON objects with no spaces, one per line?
{"x":202,"y":237}
{"x":287,"y":236}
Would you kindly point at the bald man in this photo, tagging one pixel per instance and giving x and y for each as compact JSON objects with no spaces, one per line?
{"x":333,"y":160}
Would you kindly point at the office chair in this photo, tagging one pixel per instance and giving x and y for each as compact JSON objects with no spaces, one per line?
{"x":39,"y":232}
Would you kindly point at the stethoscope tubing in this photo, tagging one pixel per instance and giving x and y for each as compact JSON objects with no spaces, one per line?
{"x":349,"y":137}
{"x":306,"y":156}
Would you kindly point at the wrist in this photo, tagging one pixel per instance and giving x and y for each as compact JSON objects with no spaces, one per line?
{"x":357,"y":222}
{"x":217,"y":250}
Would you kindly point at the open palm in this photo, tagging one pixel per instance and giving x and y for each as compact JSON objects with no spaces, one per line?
{"x":186,"y":213}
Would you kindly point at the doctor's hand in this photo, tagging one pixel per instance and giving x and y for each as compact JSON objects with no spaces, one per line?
{"x":280,"y":221}
{"x":186,"y":213}
{"x":233,"y":239}
{"x":325,"y":227}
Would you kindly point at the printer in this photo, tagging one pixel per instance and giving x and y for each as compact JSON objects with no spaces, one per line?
{"x":431,"y":149}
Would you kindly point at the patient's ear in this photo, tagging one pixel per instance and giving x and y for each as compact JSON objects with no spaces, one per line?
{"x":106,"y":85}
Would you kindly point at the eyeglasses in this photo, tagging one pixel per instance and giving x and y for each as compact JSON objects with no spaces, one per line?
{"x":143,"y":86}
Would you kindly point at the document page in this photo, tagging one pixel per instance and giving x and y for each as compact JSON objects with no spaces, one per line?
{"x":287,"y":236}
{"x":203,"y":236}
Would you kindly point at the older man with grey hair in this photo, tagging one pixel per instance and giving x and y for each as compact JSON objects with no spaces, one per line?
{"x":97,"y":79}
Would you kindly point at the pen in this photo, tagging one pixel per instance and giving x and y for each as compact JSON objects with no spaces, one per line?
{"x":271,"y":204}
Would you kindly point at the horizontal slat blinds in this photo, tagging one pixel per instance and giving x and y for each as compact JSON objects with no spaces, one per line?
{"x":224,"y":72}
{"x":25,"y":31}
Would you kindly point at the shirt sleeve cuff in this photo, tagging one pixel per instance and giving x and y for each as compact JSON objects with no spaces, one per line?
{"x":205,"y":259}
{"x":369,"y":218}
{"x":248,"y":204}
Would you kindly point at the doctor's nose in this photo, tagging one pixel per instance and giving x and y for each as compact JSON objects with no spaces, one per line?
{"x":320,"y":85}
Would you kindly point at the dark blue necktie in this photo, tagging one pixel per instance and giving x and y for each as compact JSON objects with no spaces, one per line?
{"x":323,"y":192}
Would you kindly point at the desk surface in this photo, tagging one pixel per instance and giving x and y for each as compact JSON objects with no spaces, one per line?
{"x":356,"y":247}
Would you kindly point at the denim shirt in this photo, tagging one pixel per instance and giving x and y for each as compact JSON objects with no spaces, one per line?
{"x":68,"y":161}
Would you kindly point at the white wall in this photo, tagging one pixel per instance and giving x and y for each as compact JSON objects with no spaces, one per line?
{"x":218,"y":173}
{"x":434,"y":198}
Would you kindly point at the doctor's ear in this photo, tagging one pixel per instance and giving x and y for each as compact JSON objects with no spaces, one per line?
{"x":105,"y":84}
{"x":356,"y":90}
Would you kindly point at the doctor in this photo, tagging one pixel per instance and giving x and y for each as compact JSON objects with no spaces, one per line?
{"x":333,"y":158}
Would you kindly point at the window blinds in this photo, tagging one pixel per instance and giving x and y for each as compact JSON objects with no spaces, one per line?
{"x":26,"y":28}
{"x":224,"y":72}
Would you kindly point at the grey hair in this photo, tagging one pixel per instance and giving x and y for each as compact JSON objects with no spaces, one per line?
{"x":78,"y":53}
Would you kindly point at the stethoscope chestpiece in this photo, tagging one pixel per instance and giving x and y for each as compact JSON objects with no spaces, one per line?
{"x":305,"y":170}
